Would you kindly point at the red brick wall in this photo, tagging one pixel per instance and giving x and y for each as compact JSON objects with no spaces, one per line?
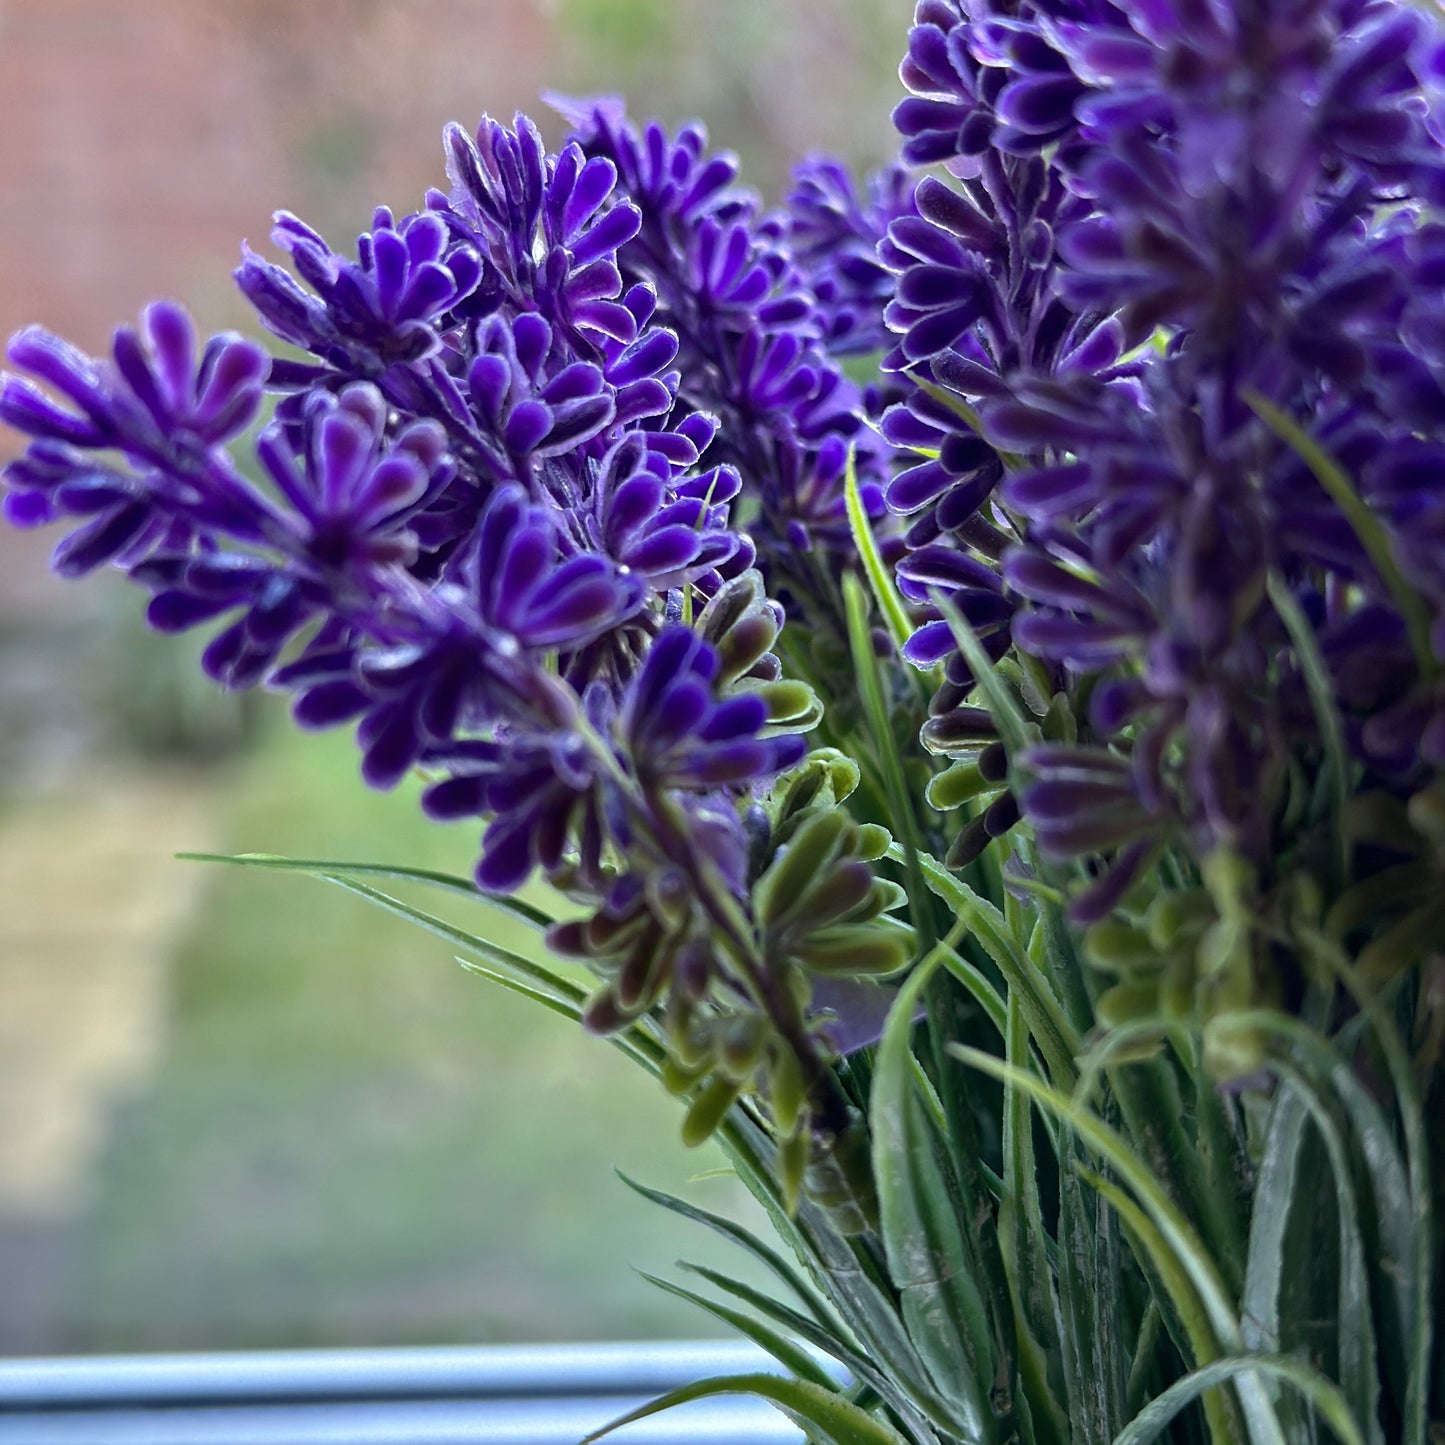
{"x":140,"y":140}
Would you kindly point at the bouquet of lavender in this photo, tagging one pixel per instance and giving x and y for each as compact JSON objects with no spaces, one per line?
{"x":1049,"y":916}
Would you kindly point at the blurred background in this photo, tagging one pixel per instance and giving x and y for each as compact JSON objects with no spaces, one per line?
{"x":239,"y":1109}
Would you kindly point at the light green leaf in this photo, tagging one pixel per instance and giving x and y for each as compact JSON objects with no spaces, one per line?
{"x":824,"y":1414}
{"x":1417,"y":1158}
{"x":1021,"y":1237}
{"x":1013,"y":727}
{"x":1335,"y":777}
{"x":928,"y":1256}
{"x":903,"y":819}
{"x":746,"y":1240}
{"x":961,"y":409}
{"x":1149,"y":1242}
{"x":1354,"y":1326}
{"x":1051,"y":1031}
{"x":1174,"y":1230}
{"x":788,"y":1353}
{"x":1325,"y":1396}
{"x":885,"y":594}
{"x":645,"y":1051}
{"x":973,"y":979}
{"x":846,"y":1269}
{"x":501,"y":959}
{"x":323,"y":868}
{"x":877,"y":1375}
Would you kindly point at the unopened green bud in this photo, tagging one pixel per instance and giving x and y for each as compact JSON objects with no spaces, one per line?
{"x":790,"y":703}
{"x":708,"y":1110}
{"x":792,"y":1168}
{"x":1115,"y":947}
{"x":740,"y":1045}
{"x":1176,"y":985}
{"x":785,"y":1089}
{"x":745,"y":642}
{"x":692,"y":1045}
{"x":1232,"y":1049}
{"x":1427,"y":813}
{"x":957,"y":785}
{"x":1175,"y":913}
{"x":812,"y":849}
{"x":864,"y":950}
{"x":679,"y":1078}
{"x":1127,"y":1002}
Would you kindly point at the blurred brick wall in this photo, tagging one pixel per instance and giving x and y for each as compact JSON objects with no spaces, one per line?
{"x":140,"y":140}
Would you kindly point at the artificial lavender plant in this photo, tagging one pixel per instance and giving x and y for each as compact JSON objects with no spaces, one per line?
{"x":1004,"y":797}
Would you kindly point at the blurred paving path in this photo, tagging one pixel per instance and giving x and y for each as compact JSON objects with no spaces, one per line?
{"x":92,"y":903}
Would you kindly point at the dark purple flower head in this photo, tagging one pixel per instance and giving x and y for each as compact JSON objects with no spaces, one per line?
{"x":158,"y":394}
{"x":527,"y":408}
{"x":754,"y":332}
{"x":384,"y":307}
{"x":549,"y":226}
{"x":835,"y":233}
{"x":353,"y":492}
{"x":678,"y":733}
{"x":532,"y":594}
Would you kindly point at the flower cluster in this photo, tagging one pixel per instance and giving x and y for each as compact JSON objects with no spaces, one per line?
{"x":1141,"y":531}
{"x":499,"y":532}
{"x":763,"y":306}
{"x":1175,"y":400}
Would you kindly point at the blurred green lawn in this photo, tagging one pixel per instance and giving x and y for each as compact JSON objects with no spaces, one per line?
{"x":352,"y":1140}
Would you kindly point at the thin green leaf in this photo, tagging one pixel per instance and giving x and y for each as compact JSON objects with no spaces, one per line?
{"x":928,"y":1257}
{"x":1335,"y":777}
{"x":1050,"y":1029}
{"x":885,"y":751}
{"x":1389,"y":1225}
{"x":828,"y":1417}
{"x":746,"y":1240}
{"x":788,"y":1353}
{"x":1149,"y":1241}
{"x":860,"y":1365}
{"x":1323,"y":1394}
{"x":324,"y":867}
{"x":1354,"y":1327}
{"x":1150,"y":1329}
{"x":1123,"y":1039}
{"x":1079,"y":1287}
{"x":844,"y":1268}
{"x":1269,"y":1267}
{"x":499,"y":958}
{"x":880,"y":577}
{"x":1021,"y":1237}
{"x":960,"y":408}
{"x":1363,"y":522}
{"x":1174,"y":1228}
{"x":643,"y":1050}
{"x":1417,"y":1162}
{"x":1053,"y":945}
{"x":919,"y":1413}
{"x":973,"y":979}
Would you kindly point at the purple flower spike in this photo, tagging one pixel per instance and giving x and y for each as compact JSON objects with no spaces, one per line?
{"x":678,"y":734}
